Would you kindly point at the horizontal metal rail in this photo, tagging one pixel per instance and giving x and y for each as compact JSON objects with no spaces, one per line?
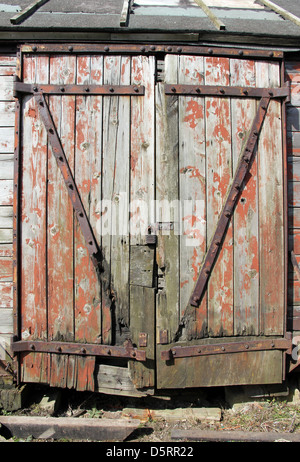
{"x":225,"y":348}
{"x":83,"y":349}
{"x":216,"y":90}
{"x":151,"y":48}
{"x":118,"y":90}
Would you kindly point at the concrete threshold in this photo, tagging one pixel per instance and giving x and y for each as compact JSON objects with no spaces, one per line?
{"x":67,"y":428}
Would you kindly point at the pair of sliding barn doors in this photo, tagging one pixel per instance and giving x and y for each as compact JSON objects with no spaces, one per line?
{"x":143,"y":238}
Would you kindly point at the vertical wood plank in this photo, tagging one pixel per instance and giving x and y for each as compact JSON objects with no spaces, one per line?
{"x":60,"y":210}
{"x":271,"y":208}
{"x":219,"y":172}
{"x":33,"y":206}
{"x":88,"y":179}
{"x":115,"y":188}
{"x":192,"y":186}
{"x":245,"y":223}
{"x":142,"y":149}
{"x":168,"y":207}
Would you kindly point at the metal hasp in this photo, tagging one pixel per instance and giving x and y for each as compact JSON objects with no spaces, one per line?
{"x":232,"y":347}
{"x":84,"y":349}
{"x":245,"y":160}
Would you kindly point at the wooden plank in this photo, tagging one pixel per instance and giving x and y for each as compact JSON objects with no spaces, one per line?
{"x":6,"y":250}
{"x":115,"y":380}
{"x":294,"y":194}
{"x":6,"y":166}
{"x":167,"y":195}
{"x":88,"y":180}
{"x":245,"y":222}
{"x":6,"y":88}
{"x":142,"y":320}
{"x":60,"y":210}
{"x":294,"y":217}
{"x":220,"y":370}
{"x":115,"y":191}
{"x":214,"y":19}
{"x":271,"y":209}
{"x":293,"y":169}
{"x":142,"y":266}
{"x":6,"y":235}
{"x":26,"y":12}
{"x":6,"y":139}
{"x":7,"y":113}
{"x":6,"y":192}
{"x":192,"y":187}
{"x":33,"y":207}
{"x":293,"y":143}
{"x":6,"y":217}
{"x":8,"y":60}
{"x":6,"y":320}
{"x":6,"y":294}
{"x":219,"y":171}
{"x":125,"y":13}
{"x":142,"y":149}
{"x":6,"y":269}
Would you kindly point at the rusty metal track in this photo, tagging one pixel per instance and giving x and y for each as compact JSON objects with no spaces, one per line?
{"x":117,"y":90}
{"x":83,"y":349}
{"x":224,"y":348}
{"x":216,"y":90}
{"x":228,"y":208}
{"x":66,"y":172}
{"x":151,"y":48}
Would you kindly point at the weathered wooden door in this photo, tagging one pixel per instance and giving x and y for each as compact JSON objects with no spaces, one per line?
{"x":86,"y":166}
{"x":235,"y":333}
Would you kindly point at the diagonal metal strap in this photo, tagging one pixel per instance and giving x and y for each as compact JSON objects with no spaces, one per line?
{"x":246,"y":157}
{"x":66,"y":172}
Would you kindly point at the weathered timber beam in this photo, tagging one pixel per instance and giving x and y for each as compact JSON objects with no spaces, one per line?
{"x":83,"y":349}
{"x":214,"y":19}
{"x":28,"y":11}
{"x":283,"y":12}
{"x":125,"y":13}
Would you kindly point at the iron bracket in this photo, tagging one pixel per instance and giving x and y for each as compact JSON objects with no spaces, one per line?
{"x":83,"y":349}
{"x":284,"y":344}
{"x":101,"y":90}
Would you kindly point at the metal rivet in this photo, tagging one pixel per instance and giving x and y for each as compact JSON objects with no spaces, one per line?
{"x":34,"y":48}
{"x":174,"y":353}
{"x":272,"y":345}
{"x":271,"y":93}
{"x":133,"y":354}
{"x":199,"y":351}
{"x":153,"y":47}
{"x":169,"y":48}
{"x":111,"y":90}
{"x":32,"y":347}
{"x":80,"y":214}
{"x":222,"y":91}
{"x":62,"y":89}
{"x":241,"y":53}
{"x":87,"y":89}
{"x":198,"y":90}
{"x":143,"y":49}
{"x":173,"y":89}
{"x":35,"y":88}
{"x":51,"y":131}
{"x":223,"y":348}
{"x":136,"y":89}
{"x":109,"y":352}
{"x":106,"y":48}
{"x":245,"y":92}
{"x":246,"y":346}
{"x":210,"y":51}
{"x":206,"y":271}
{"x":83,"y":351}
{"x":179,"y":49}
{"x":271,"y":54}
{"x":58,"y":349}
{"x":70,"y":48}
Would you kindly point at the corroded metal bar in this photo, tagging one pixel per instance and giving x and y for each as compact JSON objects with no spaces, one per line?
{"x":66,"y":172}
{"x":228,"y":208}
{"x":223,"y":91}
{"x":115,"y":90}
{"x":225,"y":348}
{"x":83,"y":349}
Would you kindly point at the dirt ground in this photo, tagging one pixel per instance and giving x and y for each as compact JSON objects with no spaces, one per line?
{"x":263,"y":415}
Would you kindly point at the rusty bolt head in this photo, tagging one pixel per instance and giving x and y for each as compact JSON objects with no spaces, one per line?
{"x":83,"y":351}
